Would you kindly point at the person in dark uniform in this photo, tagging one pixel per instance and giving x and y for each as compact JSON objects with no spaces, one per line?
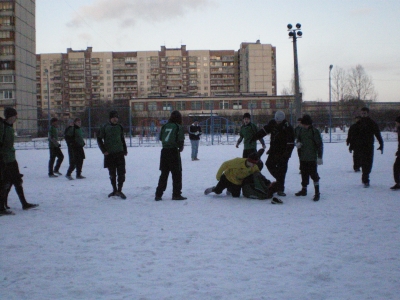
{"x":353,"y":141}
{"x":247,"y":132}
{"x":368,"y":129}
{"x":112,"y":144}
{"x":11,"y":174}
{"x":172,"y":138}
{"x":55,"y":149}
{"x":396,"y":165}
{"x":74,"y":135}
{"x":281,"y":147}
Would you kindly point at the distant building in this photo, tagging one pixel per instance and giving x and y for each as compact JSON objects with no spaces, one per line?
{"x":83,"y":78}
{"x":18,"y":63}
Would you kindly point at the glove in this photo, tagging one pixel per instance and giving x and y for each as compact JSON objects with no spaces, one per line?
{"x":350,"y":150}
{"x":237,"y":145}
{"x":181,"y":148}
{"x":298,"y":145}
{"x":319,"y":161}
{"x":380,"y":148}
{"x":397,"y":153}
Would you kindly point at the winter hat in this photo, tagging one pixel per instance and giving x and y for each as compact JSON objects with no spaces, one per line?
{"x":9,"y":112}
{"x":306,"y":120}
{"x":246,"y":115}
{"x":398,"y":119}
{"x":113,"y":114}
{"x":279,"y":116}
{"x":253,"y":158}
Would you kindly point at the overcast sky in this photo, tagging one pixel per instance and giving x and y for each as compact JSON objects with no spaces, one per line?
{"x":343,"y":33}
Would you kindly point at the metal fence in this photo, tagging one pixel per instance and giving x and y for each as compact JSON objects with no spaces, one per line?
{"x":205,"y":140}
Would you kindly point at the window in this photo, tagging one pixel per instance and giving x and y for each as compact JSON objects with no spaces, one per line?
{"x":265,"y":104}
{"x":195,"y":105}
{"x":152,"y":106}
{"x":6,"y":94}
{"x":138,"y":106}
{"x":280,"y":103}
{"x":208,"y":105}
{"x":7,"y":78}
{"x":224,"y":104}
{"x":237,"y":105}
{"x":167,"y":106}
{"x":251,"y":105}
{"x":180,"y":105}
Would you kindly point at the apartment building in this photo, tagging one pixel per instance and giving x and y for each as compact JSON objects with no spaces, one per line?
{"x":83,"y":78}
{"x":18,"y":63}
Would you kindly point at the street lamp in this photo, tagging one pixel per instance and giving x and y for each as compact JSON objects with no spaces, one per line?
{"x":294,"y":34}
{"x":48,"y":97}
{"x":330,"y":105}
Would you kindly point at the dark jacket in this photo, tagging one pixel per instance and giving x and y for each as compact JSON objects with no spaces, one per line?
{"x":74,"y":137}
{"x":282,"y":138}
{"x":194,"y":132}
{"x":369,"y":129}
{"x":353,"y":137}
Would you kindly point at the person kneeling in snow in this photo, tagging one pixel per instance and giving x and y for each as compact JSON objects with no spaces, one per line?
{"x":231,"y":174}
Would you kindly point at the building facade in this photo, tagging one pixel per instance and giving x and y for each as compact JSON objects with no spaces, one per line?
{"x":80,"y":79}
{"x":18,"y":62}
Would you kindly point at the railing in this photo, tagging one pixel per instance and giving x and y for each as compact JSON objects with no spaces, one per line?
{"x":153,"y":141}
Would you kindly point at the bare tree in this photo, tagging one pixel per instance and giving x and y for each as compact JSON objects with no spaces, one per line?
{"x":360,"y":84}
{"x":339,"y":84}
{"x":291,"y":89}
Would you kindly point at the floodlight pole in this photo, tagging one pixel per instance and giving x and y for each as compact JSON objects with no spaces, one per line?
{"x":294,"y":33}
{"x":330,"y":105}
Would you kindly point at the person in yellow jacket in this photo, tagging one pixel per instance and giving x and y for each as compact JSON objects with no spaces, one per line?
{"x":231,"y":174}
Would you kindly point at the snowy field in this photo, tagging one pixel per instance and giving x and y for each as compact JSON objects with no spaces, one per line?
{"x":79,"y":244}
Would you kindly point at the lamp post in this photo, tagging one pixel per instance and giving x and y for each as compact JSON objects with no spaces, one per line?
{"x":48,"y":98}
{"x":330,"y":105}
{"x":294,"y":34}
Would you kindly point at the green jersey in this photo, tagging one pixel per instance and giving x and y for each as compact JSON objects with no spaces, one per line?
{"x":53,"y":137}
{"x":7,"y":149}
{"x":172,"y":135}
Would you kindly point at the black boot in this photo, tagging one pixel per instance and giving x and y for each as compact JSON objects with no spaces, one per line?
{"x":114,"y":186}
{"x":20,"y":192}
{"x":302,"y":192}
{"x":119,"y":193}
{"x":317,"y":194}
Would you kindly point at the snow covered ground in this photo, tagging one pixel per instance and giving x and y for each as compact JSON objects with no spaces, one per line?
{"x":80,"y":244}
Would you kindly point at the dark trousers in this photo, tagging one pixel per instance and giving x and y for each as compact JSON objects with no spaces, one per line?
{"x":115,"y":163}
{"x":277,"y":167}
{"x":247,"y":152}
{"x":12,"y":176}
{"x":357,"y":158}
{"x":170,"y":161}
{"x":367,"y":159}
{"x":76,"y":157}
{"x":308,"y":169}
{"x":55,"y":153}
{"x":224,"y":183}
{"x":396,"y":170}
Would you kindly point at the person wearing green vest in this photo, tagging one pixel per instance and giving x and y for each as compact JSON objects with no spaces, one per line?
{"x":11,"y":174}
{"x":247,"y":132}
{"x":309,"y":142}
{"x":55,"y":149}
{"x":172,"y":138}
{"x":112,"y":144}
{"x":74,"y":137}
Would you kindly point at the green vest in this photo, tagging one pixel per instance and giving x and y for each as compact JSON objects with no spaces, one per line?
{"x":7,"y":149}
{"x":171,"y":135}
{"x":112,"y":136}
